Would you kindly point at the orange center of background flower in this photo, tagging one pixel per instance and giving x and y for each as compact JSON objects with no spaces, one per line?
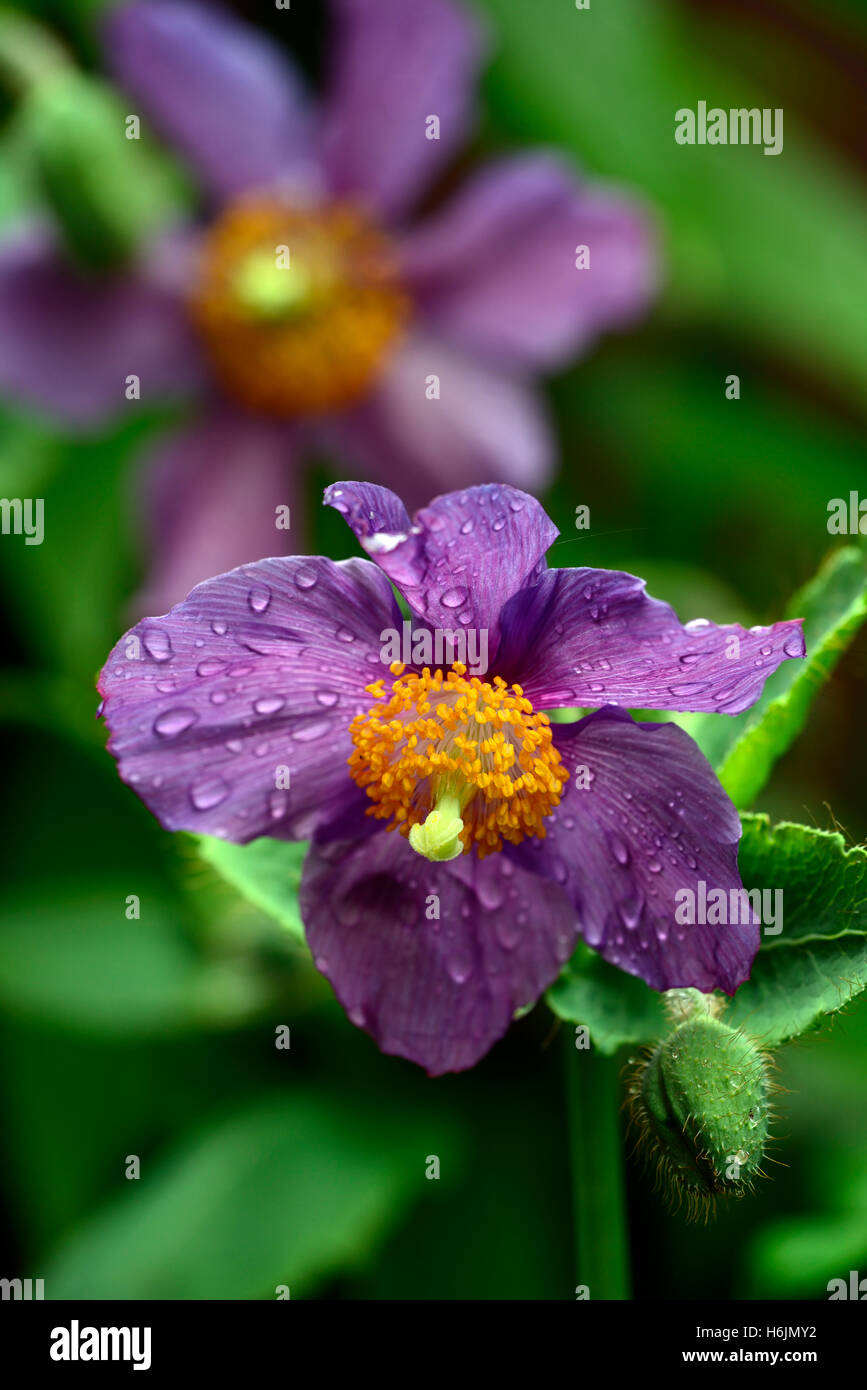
{"x":297,"y":307}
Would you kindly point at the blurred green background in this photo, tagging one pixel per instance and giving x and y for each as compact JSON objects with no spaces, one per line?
{"x":156,"y":1038}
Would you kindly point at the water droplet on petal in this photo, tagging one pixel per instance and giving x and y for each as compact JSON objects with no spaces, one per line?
{"x":174,"y":721}
{"x":259,"y":598}
{"x":347,"y":910}
{"x":157,"y":644}
{"x":508,"y":933}
{"x":460,"y":968}
{"x":454,"y":598}
{"x":327,"y":698}
{"x":490,"y":893}
{"x":308,"y":733}
{"x":211,"y":666}
{"x":209,"y":792}
{"x":269,"y":704}
{"x":630,"y":911}
{"x":559,"y":869}
{"x":619,"y":849}
{"x":305,"y":579}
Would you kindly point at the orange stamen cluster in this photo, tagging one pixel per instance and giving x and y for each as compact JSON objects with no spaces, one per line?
{"x":323,"y":353}
{"x":483,"y":743}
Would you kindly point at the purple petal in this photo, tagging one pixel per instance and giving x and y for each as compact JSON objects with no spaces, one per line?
{"x":438,"y":990}
{"x":68,"y":342}
{"x":256,"y":671}
{"x":464,"y":555}
{"x":593,"y":637}
{"x":213,"y":494}
{"x":643,"y":818}
{"x":216,"y":88}
{"x":485,"y":425}
{"x":396,"y":65}
{"x":496,"y":271}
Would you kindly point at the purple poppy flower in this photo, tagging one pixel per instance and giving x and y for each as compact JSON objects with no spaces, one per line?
{"x":274,"y":701}
{"x":409,"y":348}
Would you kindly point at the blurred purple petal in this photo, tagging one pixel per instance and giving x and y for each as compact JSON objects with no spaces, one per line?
{"x":496,"y":272}
{"x":652,"y":820}
{"x":212,"y":497}
{"x":590,"y":637}
{"x":484,"y":425}
{"x":397,"y":64}
{"x":439,"y":990}
{"x":68,"y":342}
{"x":257,"y":672}
{"x":465,"y":554}
{"x":217,"y":89}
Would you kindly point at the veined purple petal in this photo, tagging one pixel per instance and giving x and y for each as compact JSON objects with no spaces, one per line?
{"x":593,"y":637}
{"x":432,"y":959}
{"x":250,"y":684}
{"x":481,"y":425}
{"x":397,"y":65}
{"x":213,"y":495}
{"x":643,"y":819}
{"x":68,"y":342}
{"x":464,"y":555}
{"x":496,"y":271}
{"x":216,"y":88}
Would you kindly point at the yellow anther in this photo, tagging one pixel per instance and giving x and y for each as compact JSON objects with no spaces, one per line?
{"x":474,"y":768}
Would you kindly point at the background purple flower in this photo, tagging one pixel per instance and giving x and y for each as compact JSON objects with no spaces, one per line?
{"x":268,"y":665}
{"x":494,"y":295}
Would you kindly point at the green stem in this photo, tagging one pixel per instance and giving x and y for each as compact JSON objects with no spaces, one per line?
{"x":596,"y":1144}
{"x":28,"y":52}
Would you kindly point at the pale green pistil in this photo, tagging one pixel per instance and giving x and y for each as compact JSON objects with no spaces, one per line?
{"x":268,"y":290}
{"x":438,"y":837}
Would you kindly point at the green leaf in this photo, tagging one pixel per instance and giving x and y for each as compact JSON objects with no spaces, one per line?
{"x":818,"y":962}
{"x":266,"y":872}
{"x":89,"y":520}
{"x":797,"y":1257}
{"x":617,"y":1008}
{"x":73,"y":959}
{"x":107,"y":193}
{"x":744,"y":749}
{"x":285,"y":1191}
{"x":824,"y":884}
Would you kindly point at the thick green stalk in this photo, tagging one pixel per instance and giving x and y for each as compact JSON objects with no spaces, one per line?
{"x":596,"y":1145}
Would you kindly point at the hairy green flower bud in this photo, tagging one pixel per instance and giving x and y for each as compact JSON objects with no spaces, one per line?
{"x":701,"y":1101}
